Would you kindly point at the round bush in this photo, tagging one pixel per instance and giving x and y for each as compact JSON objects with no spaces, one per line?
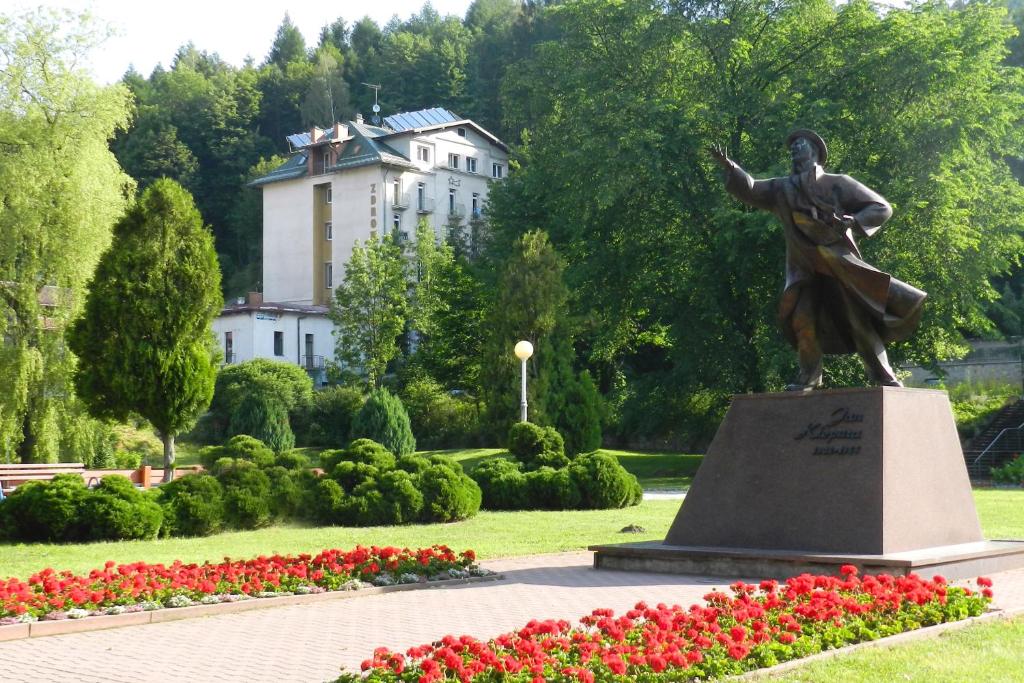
{"x":502,"y":484}
{"x":536,"y":446}
{"x":326,"y":502}
{"x":116,"y":510}
{"x":383,"y":419}
{"x":413,"y":464}
{"x":286,"y":494}
{"x":401,"y":501}
{"x":440,"y":419}
{"x":240,"y":447}
{"x":446,"y":461}
{"x":371,"y":453}
{"x":193,"y":505}
{"x":552,"y":489}
{"x":351,"y":474}
{"x":246,"y":495}
{"x":603,"y":482}
{"x":283,"y":382}
{"x":330,"y":458}
{"x":292,"y":461}
{"x":448,"y":495}
{"x":45,"y":510}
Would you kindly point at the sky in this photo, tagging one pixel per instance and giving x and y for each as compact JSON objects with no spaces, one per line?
{"x":150,"y":32}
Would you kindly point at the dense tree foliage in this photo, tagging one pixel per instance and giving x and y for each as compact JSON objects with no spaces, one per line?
{"x":143,"y":338}
{"x":60,"y":192}
{"x":678,"y":282}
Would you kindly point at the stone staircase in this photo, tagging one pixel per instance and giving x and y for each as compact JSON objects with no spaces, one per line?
{"x":1001,"y":440}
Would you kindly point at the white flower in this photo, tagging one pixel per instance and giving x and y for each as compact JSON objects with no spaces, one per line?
{"x":77,"y":613}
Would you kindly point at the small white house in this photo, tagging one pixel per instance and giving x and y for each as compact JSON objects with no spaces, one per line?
{"x":297,"y":333}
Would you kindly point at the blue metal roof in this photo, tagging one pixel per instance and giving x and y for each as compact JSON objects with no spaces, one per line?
{"x":420,"y":119}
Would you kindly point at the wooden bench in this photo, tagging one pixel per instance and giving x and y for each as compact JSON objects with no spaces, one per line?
{"x":11,"y":475}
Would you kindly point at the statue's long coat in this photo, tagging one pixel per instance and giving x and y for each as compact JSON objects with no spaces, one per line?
{"x":825,"y":261}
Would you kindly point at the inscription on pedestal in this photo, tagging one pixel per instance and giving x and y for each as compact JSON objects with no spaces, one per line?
{"x":842,"y":426}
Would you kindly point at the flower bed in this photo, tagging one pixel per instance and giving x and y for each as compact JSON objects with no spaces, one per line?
{"x":755,"y":627}
{"x":140,"y":586}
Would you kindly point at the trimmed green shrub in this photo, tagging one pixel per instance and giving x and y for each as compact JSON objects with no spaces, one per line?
{"x":246,"y":495}
{"x":286,"y":383}
{"x":413,"y":464}
{"x":116,"y":510}
{"x":371,"y":453}
{"x":448,"y":495}
{"x":383,"y":418}
{"x":351,"y":474}
{"x":603,"y":482}
{"x":193,"y":505}
{"x":330,"y":458}
{"x":440,"y":419}
{"x":1011,"y":472}
{"x":552,"y":489}
{"x":44,"y":510}
{"x":264,"y":417}
{"x":241,"y":447}
{"x":326,"y":502}
{"x":327,"y":421}
{"x":447,"y":461}
{"x":401,"y":501}
{"x":292,"y":461}
{"x":502,"y":484}
{"x":536,"y":446}
{"x":286,"y":494}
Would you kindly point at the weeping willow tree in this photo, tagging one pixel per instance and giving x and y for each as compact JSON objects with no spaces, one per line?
{"x":60,"y":192}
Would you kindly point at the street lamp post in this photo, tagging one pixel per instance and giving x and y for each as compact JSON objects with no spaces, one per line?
{"x":523,"y":351}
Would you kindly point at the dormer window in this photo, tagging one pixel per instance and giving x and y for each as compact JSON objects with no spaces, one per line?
{"x":461,"y":132}
{"x":423,"y":154}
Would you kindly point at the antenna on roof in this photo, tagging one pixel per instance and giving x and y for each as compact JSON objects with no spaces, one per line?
{"x":376,"y":107}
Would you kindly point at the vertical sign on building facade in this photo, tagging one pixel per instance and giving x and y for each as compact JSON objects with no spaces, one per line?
{"x":373,"y":206}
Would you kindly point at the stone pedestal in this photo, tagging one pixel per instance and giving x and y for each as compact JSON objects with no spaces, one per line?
{"x":855,"y":476}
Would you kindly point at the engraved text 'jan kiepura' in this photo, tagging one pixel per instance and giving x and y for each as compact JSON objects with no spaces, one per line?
{"x":836,"y":428}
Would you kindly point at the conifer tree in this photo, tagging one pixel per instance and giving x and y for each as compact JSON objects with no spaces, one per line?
{"x":143,"y":340}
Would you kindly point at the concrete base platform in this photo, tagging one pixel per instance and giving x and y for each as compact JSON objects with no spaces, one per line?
{"x":962,"y":561}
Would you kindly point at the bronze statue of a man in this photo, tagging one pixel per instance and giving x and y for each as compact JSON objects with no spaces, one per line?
{"x":833,"y":302}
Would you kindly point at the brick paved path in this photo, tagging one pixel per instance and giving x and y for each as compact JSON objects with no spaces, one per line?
{"x":308,"y":643}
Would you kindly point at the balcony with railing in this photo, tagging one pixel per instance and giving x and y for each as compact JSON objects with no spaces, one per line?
{"x":312,"y":363}
{"x":400,"y":202}
{"x":457,"y":210}
{"x":425,"y":205}
{"x":229,"y":359}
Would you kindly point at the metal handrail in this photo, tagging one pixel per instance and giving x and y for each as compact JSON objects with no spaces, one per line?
{"x":994,"y":441}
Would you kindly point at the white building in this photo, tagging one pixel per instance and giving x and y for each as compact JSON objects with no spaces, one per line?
{"x":347,"y":184}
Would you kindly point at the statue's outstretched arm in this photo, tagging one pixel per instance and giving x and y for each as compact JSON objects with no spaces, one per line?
{"x":740,"y":184}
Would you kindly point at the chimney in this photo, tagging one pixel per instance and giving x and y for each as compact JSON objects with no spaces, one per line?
{"x":254,"y":298}
{"x":359,"y":118}
{"x":315,"y":134}
{"x":340,"y":132}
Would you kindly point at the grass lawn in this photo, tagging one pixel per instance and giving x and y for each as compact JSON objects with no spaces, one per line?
{"x":988,"y":652}
{"x":491,"y":534}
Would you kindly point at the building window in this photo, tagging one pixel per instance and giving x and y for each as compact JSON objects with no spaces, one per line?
{"x":476,"y":204}
{"x":497,"y":170}
{"x":471,"y":164}
{"x":397,"y":191}
{"x":453,"y":161}
{"x":229,"y":348}
{"x":451,"y":202}
{"x":396,"y":224}
{"x":278,"y":343}
{"x":327,"y":161}
{"x":328,"y":275}
{"x":328,"y":231}
{"x":461,"y":132}
{"x":328,"y":194}
{"x":421,"y":195}
{"x":423,"y":154}
{"x":309,"y":360}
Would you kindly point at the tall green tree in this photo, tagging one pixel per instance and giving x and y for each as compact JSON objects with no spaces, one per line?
{"x":370,"y":309}
{"x":289,"y":45}
{"x":144,"y":337}
{"x":60,"y":191}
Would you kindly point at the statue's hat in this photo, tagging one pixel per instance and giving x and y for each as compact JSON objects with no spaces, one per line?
{"x":813,"y":138}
